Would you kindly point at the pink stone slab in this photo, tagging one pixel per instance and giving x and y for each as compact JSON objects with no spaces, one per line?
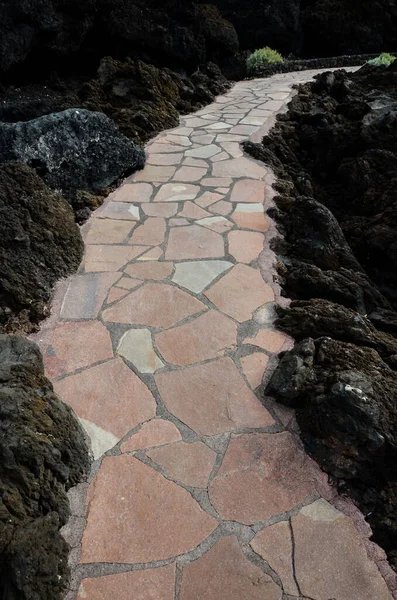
{"x":240,"y":292}
{"x":147,"y":584}
{"x":154,"y":305}
{"x":68,"y":343}
{"x":154,"y":433}
{"x":109,"y":395}
{"x":203,"y":338}
{"x":86,"y":294}
{"x":108,"y":231}
{"x":194,"y":242}
{"x":135,"y":192}
{"x":154,"y":173}
{"x":150,"y":233}
{"x":137,"y":516}
{"x":249,"y":191}
{"x":109,"y":258}
{"x":150,"y":270}
{"x":254,"y":366}
{"x":224,"y":573}
{"x":161,"y":209}
{"x":245,"y":246}
{"x":229,"y":406}
{"x":191,"y":464}
{"x":275,"y":470}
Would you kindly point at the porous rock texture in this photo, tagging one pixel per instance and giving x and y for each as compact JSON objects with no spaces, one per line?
{"x":42,"y":454}
{"x":39,"y":244}
{"x":335,"y":153}
{"x":52,"y":34}
{"x":74,"y":150}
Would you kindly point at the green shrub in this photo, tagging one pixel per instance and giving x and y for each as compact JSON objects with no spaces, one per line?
{"x":262,"y":58}
{"x":383,"y":60}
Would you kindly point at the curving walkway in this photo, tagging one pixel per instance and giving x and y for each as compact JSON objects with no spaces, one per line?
{"x":200,"y":490}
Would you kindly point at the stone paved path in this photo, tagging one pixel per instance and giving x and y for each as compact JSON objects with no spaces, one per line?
{"x":199,"y":491}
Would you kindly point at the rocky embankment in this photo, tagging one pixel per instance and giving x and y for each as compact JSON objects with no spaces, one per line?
{"x":335,"y":153}
{"x":42,"y":454}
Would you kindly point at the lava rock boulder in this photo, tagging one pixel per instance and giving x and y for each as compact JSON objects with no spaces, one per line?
{"x":42,"y":454}
{"x":74,"y":150}
{"x":40,"y":243}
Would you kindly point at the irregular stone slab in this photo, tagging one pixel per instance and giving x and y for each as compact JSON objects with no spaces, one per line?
{"x":190,"y":464}
{"x":240,"y":292}
{"x":128,"y":284}
{"x":254,"y":366}
{"x":133,"y":192}
{"x":195,"y":162}
{"x":154,"y":433}
{"x":249,"y":191}
{"x":197,"y":275}
{"x":229,"y":406}
{"x":150,"y":233}
{"x":86,"y":294}
{"x":150,"y":270}
{"x":203,"y":139}
{"x":153,"y":173}
{"x":135,"y":515}
{"x":147,"y":584}
{"x":194,"y":242}
{"x":224,"y":573}
{"x":245,"y":130}
{"x":109,"y":258}
{"x":275,"y":470}
{"x":204,"y":151}
{"x":327,"y":543}
{"x":219,"y":157}
{"x":161,"y":209}
{"x":164,"y":159}
{"x":269,"y":340}
{"x":108,"y":231}
{"x":245,"y":246}
{"x":229,"y":137}
{"x":250,"y":216}
{"x":109,"y":395}
{"x":159,"y":148}
{"x":68,"y":345}
{"x":136,"y":346}
{"x":274,"y":545}
{"x":176,"y":222}
{"x":154,"y":305}
{"x":251,"y":121}
{"x":221,"y":208}
{"x":218,"y":224}
{"x":153,"y":254}
{"x":189,"y":174}
{"x":217,"y":126}
{"x":225,"y":182}
{"x":182,"y":140}
{"x":201,"y":339}
{"x":191,"y":211}
{"x":115,"y":294}
{"x":118,"y":210}
{"x":208,"y":198}
{"x":176,"y":192}
{"x":238,"y":167}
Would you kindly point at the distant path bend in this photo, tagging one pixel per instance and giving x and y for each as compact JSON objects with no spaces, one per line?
{"x":199,"y":491}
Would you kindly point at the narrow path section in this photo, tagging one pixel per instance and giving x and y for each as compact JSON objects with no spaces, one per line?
{"x":200,"y":489}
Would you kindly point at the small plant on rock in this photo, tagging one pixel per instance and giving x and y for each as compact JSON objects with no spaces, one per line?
{"x":383,"y":60}
{"x":262,"y":58}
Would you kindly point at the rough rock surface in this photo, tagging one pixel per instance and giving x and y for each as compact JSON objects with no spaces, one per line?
{"x":335,"y":153}
{"x":39,"y":243}
{"x":74,"y":150}
{"x":54,"y":34}
{"x":43,"y":453}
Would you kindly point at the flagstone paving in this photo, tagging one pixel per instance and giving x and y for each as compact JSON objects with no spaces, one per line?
{"x":161,"y":344}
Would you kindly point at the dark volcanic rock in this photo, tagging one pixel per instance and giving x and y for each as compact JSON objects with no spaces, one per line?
{"x":335,"y":152}
{"x":74,"y":150}
{"x":39,"y":243}
{"x":139,"y":97}
{"x":42,"y":454}
{"x":345,"y":399}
